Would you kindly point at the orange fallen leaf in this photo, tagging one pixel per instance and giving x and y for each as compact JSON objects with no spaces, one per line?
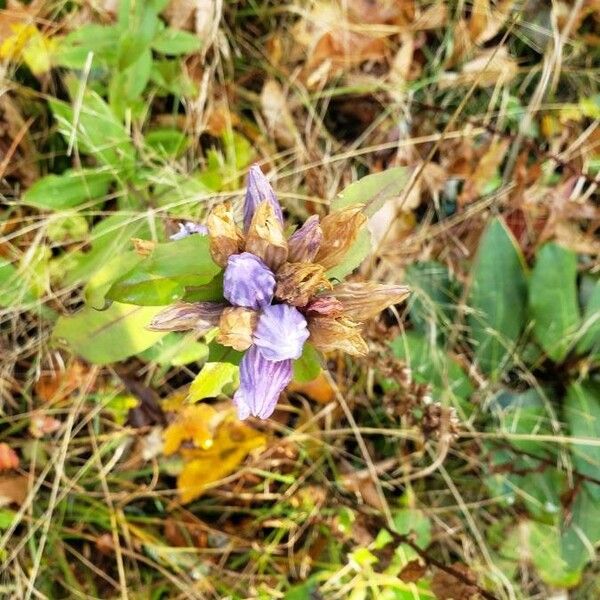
{"x":319,"y":389}
{"x":8,"y":458}
{"x":58,"y":385}
{"x":196,"y":423}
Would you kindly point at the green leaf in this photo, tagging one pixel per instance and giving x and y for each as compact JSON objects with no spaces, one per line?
{"x":497,"y":298}
{"x":101,"y":40}
{"x":373,"y":190}
{"x":433,"y":302}
{"x":144,"y":289}
{"x":176,"y":349}
{"x":582,"y":533}
{"x":67,"y":226}
{"x":169,"y":76}
{"x":308,"y":366}
{"x":68,"y":190}
{"x":14,"y":289}
{"x":211,"y":380}
{"x":108,"y":336}
{"x":582,"y":413}
{"x":175,"y":42}
{"x":354,"y":257}
{"x":97,"y":131}
{"x":553,"y":300}
{"x":590,"y":328}
{"x":163,"y":276}
{"x":431,"y":364}
{"x":167,"y":141}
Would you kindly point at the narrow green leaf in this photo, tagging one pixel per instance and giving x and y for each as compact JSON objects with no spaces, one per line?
{"x":582,"y":414}
{"x":108,"y":336}
{"x":354,"y":257}
{"x":14,"y":289}
{"x":553,"y":300}
{"x":211,"y":380}
{"x":143,"y":289}
{"x":68,"y":190}
{"x":497,"y":298}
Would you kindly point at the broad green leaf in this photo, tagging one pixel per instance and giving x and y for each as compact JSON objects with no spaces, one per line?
{"x":211,"y":292}
{"x":431,"y":364}
{"x":101,"y":40}
{"x":68,"y":190}
{"x":582,"y":414}
{"x":108,"y":336}
{"x":354,"y":257}
{"x":373,"y":190}
{"x":101,"y":281}
{"x":170,"y":77}
{"x":435,"y":294}
{"x":211,"y":380}
{"x":97,"y":131}
{"x":219,"y":353}
{"x":497,"y":299}
{"x":144,"y":289}
{"x":176,"y":349}
{"x":308,"y":366}
{"x":163,"y":276}
{"x":126,"y":87}
{"x":175,"y":42}
{"x":590,"y":328}
{"x":582,"y":533}
{"x":553,"y":300}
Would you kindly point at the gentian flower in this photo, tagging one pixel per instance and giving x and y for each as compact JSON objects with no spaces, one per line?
{"x":189,"y":228}
{"x":278,"y":294}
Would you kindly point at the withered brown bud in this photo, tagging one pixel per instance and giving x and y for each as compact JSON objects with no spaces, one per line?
{"x":325,"y":306}
{"x":305,"y":243}
{"x":225,"y":236}
{"x":340,"y":230}
{"x":328,"y":334}
{"x":236,"y":327}
{"x":184,"y":316}
{"x":297,"y":283}
{"x":265,"y":237}
{"x":363,"y":301}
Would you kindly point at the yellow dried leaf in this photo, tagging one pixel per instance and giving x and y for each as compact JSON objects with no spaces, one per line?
{"x":195,"y":423}
{"x":233,"y":441}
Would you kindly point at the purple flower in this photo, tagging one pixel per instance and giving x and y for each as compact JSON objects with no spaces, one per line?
{"x":280,"y":332}
{"x":258,"y":189}
{"x":261,"y":383}
{"x":188,"y":228}
{"x":248,"y":282}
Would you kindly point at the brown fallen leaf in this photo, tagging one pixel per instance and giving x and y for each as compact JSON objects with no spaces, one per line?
{"x":413,"y":571}
{"x":13,"y":489}
{"x":484,"y":171}
{"x":8,"y":458}
{"x":274,"y":106}
{"x":493,"y":66}
{"x":55,"y":386}
{"x":446,"y":586}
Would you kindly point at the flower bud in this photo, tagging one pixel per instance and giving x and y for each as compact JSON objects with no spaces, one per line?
{"x":297,"y":283}
{"x":259,"y":190}
{"x":236,"y":327}
{"x":325,"y":306}
{"x":225,"y":237}
{"x":248,"y":282}
{"x":340,"y":230}
{"x":328,"y":334}
{"x":265,"y":237}
{"x":304,"y":244}
{"x":363,"y":301}
{"x":183,"y":316}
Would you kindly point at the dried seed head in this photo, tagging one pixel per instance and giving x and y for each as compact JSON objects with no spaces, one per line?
{"x":305,"y":243}
{"x":340,"y":230}
{"x":225,"y":236}
{"x":143,"y":247}
{"x":265,"y":237}
{"x":236,"y":327}
{"x":328,"y":334}
{"x":325,"y":306}
{"x":183,"y":316}
{"x":297,"y":283}
{"x":363,"y":301}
